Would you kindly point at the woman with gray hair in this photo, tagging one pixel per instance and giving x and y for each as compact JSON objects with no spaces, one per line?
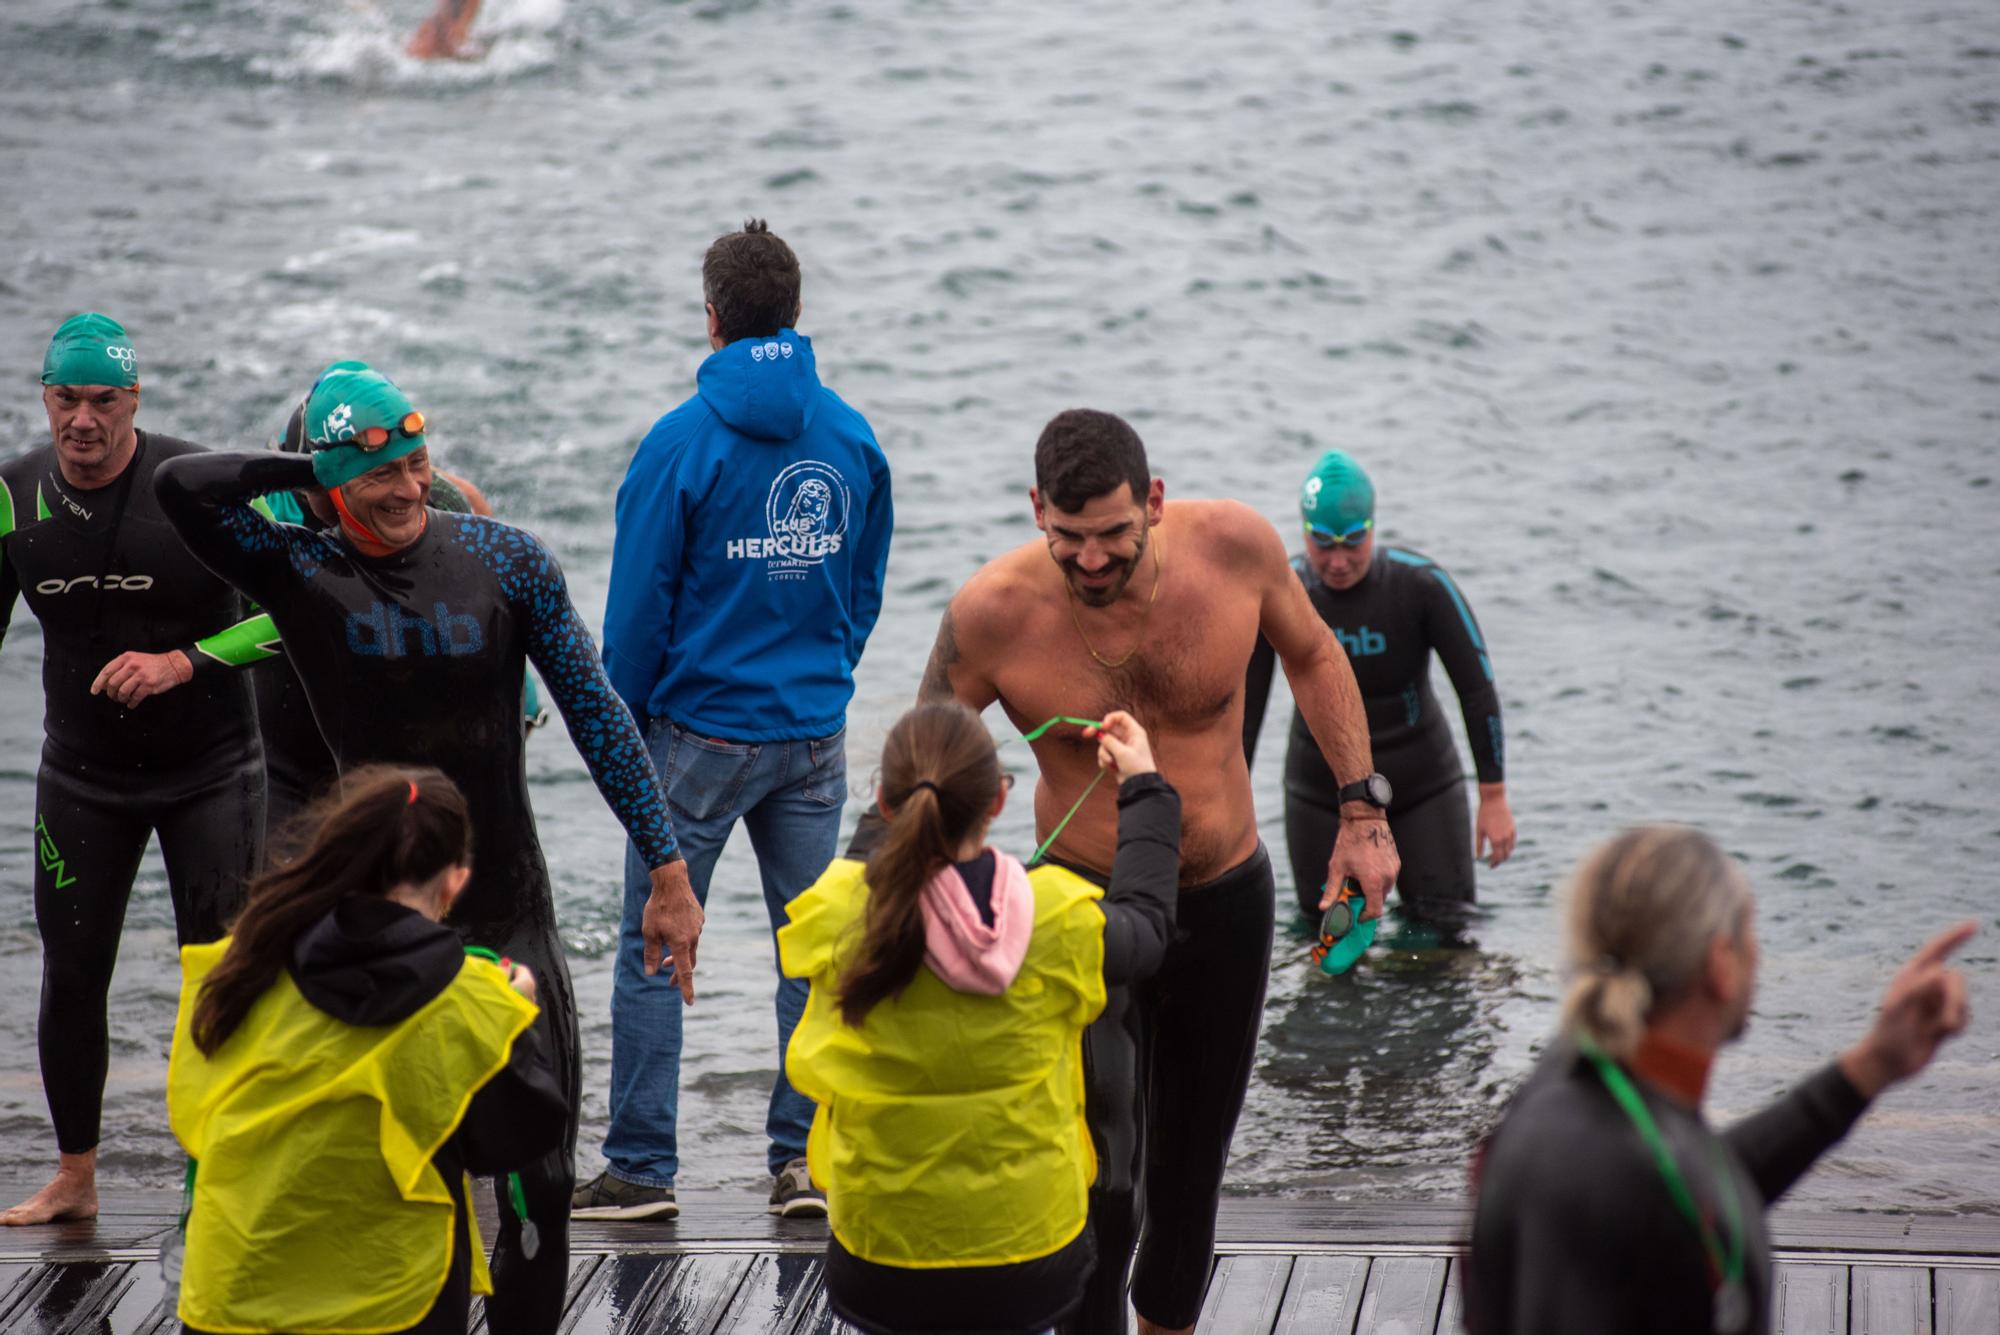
{"x":1606,"y":1203}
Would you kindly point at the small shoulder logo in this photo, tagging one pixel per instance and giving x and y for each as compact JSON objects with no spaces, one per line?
{"x":124,"y":354}
{"x":770,"y":350}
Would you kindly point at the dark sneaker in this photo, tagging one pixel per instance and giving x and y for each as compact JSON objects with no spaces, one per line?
{"x":607,"y":1197}
{"x":794,"y":1196}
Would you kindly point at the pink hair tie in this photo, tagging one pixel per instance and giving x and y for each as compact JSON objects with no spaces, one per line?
{"x":413,"y":793}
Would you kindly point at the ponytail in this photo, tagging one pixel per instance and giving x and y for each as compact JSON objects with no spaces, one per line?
{"x":939,"y":778}
{"x":380,"y":827}
{"x":1643,"y":908}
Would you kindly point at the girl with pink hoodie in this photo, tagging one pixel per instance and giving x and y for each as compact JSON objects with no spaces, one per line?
{"x":950,"y":989}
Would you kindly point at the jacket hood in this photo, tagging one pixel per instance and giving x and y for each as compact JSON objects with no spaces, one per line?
{"x":765,"y":388}
{"x":372,"y":962}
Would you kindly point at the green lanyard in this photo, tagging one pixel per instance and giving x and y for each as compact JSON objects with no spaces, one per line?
{"x":1088,"y":788}
{"x":531,"y":1238}
{"x":1724,"y":1271}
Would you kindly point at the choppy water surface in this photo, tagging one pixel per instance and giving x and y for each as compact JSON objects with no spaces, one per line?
{"x":1671,"y":329}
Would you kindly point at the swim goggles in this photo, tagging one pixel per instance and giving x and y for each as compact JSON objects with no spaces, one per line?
{"x":1327,"y":540}
{"x":372,"y":438}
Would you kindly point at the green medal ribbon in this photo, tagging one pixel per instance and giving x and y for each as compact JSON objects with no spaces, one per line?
{"x":1088,"y":788}
{"x":531,"y":1237}
{"x":1726,"y":1272}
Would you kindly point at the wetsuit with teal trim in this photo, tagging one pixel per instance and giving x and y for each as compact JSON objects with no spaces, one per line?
{"x":1404,"y":609}
{"x":104,"y":573}
{"x":417,"y":657}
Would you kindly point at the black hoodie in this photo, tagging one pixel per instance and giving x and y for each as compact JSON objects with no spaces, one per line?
{"x":373,"y":962}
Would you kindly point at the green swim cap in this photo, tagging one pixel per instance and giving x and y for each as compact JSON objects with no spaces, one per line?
{"x":91,"y":349}
{"x":1337,"y":495}
{"x":347,"y":401}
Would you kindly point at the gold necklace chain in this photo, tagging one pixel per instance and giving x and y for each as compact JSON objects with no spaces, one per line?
{"x":1145,"y":617}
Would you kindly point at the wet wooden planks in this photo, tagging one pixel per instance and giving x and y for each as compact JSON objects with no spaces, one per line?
{"x":1287,"y":1267}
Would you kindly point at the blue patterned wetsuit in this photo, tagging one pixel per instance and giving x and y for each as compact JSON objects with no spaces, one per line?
{"x":1403,"y":610}
{"x":418,"y":658}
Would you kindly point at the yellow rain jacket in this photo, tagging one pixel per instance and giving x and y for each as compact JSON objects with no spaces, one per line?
{"x":950,"y":1126}
{"x":316,"y":1205}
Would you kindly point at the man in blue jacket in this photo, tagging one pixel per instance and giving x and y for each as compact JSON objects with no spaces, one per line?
{"x":753,"y":530}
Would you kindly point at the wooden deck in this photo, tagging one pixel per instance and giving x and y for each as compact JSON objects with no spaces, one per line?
{"x":1283,"y":1266}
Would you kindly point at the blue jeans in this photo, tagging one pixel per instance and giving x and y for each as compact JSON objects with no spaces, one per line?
{"x":789,"y":796}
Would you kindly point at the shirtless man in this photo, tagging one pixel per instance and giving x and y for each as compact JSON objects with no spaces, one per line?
{"x":1154,"y":608}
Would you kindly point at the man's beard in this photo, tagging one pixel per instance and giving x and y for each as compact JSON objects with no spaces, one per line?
{"x":1109,"y":593}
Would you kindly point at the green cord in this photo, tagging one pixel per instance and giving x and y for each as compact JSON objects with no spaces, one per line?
{"x":1089,"y":788}
{"x":1727,"y":1269}
{"x":517,"y":1196}
{"x":1060,"y":718}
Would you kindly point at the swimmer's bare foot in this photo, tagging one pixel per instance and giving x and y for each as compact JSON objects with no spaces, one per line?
{"x":1154,"y":1328}
{"x":72,"y":1194}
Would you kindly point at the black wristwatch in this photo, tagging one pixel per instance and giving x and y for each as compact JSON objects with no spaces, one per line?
{"x":1372,"y":789}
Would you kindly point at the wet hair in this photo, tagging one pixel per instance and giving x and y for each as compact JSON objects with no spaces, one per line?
{"x":939,"y":778}
{"x":380,"y":827}
{"x":1083,"y":453}
{"x":751,"y":277}
{"x":1643,"y":908}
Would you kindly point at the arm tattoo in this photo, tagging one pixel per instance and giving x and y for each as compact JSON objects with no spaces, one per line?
{"x":937,"y":673}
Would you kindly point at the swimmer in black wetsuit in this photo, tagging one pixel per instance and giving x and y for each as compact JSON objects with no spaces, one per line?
{"x":409,"y":629}
{"x":83,"y":541}
{"x":297,"y":764}
{"x":1391,"y":609}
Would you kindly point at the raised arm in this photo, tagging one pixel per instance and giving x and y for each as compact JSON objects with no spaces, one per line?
{"x":207,"y":498}
{"x":1323,"y":685}
{"x":1455,"y":635}
{"x":1140,"y":902}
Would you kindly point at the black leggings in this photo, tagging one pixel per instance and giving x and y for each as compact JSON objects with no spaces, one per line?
{"x":528,"y":1294}
{"x":89,"y":836}
{"x":1433,"y":835}
{"x":1165,"y":1070}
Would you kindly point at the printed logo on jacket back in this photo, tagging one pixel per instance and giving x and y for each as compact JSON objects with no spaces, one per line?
{"x":806,"y":514}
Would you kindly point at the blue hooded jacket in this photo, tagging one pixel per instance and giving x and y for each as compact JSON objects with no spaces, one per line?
{"x":753,"y":531}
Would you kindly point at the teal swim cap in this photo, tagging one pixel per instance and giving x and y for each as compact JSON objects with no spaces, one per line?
{"x":348,"y":402}
{"x":91,"y":349}
{"x":1337,"y":495}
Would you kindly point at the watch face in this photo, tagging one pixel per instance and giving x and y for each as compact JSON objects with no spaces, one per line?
{"x":1379,"y":791}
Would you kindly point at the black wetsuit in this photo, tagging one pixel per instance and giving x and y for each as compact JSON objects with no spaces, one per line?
{"x":104,"y":573}
{"x":1030,"y":1296}
{"x":297,"y":765}
{"x":1166,"y":1067}
{"x":374,"y":962}
{"x":1403,"y":610}
{"x":1574,"y":1230}
{"x":417,"y":658}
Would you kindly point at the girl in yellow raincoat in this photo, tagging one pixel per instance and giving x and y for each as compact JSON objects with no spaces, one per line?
{"x":941,"y":1040}
{"x":339,"y":1065}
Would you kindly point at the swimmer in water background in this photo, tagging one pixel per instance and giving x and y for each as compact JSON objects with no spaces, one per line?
{"x":446,"y":34}
{"x":1391,"y":609}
